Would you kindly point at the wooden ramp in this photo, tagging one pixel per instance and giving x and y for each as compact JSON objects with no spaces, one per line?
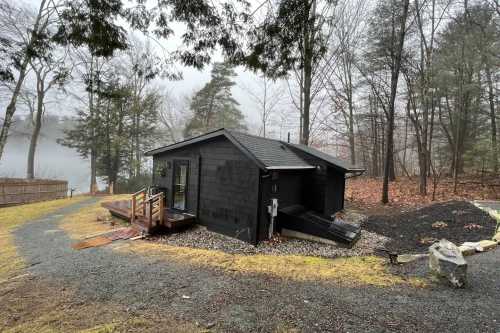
{"x":147,"y":213}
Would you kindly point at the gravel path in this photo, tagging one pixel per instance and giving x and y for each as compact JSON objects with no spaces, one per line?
{"x":244,"y":303}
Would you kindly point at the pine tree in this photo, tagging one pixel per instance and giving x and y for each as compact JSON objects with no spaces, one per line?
{"x":214,"y":106}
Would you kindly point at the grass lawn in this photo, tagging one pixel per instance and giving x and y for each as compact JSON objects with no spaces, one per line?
{"x":84,"y":222}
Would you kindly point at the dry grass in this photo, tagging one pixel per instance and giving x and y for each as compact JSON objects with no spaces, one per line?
{"x":84,"y":223}
{"x":13,"y":217}
{"x":30,"y":306}
{"x":48,"y":308}
{"x":367,"y":270}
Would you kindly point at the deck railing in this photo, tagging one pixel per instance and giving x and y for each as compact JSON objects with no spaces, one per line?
{"x":150,"y":209}
{"x":156,"y":209}
{"x":138,"y":204}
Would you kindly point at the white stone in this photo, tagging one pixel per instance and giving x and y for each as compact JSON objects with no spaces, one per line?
{"x":487,"y":245}
{"x":467,"y":250}
{"x":445,"y":259}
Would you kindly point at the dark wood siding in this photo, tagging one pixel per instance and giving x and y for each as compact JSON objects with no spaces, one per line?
{"x":226,"y":182}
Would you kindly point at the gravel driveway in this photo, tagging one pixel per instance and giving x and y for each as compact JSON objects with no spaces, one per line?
{"x":233,"y":302}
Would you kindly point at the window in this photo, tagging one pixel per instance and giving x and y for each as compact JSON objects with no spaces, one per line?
{"x":180,"y":185}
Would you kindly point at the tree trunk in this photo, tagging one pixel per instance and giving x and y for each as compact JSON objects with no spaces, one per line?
{"x":307,"y":97}
{"x":351,"y":119}
{"x":308,"y":59}
{"x":389,"y":158}
{"x":493,"y":123}
{"x":30,"y":172}
{"x":93,"y":148}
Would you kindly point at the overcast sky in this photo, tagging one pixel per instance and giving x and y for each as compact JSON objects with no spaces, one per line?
{"x":194,"y":79}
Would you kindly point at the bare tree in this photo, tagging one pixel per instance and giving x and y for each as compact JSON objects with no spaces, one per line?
{"x":10,"y":17}
{"x":267,"y":96}
{"x":174,"y":114}
{"x":339,"y":83}
{"x":50,"y":72}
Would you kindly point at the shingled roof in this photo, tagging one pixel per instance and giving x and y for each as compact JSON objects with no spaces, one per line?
{"x":267,"y":153}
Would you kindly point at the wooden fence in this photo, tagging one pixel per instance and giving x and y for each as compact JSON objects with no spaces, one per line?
{"x":15,"y":191}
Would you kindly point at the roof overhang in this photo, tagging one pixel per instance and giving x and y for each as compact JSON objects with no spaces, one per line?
{"x":300,"y":167}
{"x":185,"y":142}
{"x":207,"y":136}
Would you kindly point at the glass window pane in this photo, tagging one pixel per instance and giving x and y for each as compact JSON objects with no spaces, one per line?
{"x":180,"y":185}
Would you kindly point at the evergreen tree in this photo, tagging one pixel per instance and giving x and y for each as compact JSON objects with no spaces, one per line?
{"x":116,"y":126}
{"x":214,"y":106}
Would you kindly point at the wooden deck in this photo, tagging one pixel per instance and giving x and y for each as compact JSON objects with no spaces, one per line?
{"x":171,"y":219}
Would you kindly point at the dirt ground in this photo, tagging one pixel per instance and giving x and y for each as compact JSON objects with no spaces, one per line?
{"x":118,"y":288}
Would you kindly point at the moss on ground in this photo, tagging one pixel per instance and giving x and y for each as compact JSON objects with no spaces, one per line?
{"x":365,"y":270}
{"x":11,"y":218}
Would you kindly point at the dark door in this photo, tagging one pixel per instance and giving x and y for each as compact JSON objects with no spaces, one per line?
{"x":180,"y":186}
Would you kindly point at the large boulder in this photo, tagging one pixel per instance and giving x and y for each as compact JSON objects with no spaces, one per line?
{"x":445,"y":259}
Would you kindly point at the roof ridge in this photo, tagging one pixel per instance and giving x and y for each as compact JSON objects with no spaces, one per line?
{"x":255,"y":136}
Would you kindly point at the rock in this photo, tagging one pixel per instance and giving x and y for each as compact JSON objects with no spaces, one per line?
{"x":487,"y":245}
{"x":406,"y":258}
{"x":481,"y":246}
{"x":496,"y":238}
{"x":445,"y":259}
{"x":467,"y":250}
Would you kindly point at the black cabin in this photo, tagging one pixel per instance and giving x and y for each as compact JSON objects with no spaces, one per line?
{"x":228,"y":179}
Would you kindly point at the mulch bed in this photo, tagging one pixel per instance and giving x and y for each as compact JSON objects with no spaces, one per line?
{"x":415,"y":230}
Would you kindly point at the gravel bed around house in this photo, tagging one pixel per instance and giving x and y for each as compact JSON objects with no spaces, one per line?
{"x":200,"y":237}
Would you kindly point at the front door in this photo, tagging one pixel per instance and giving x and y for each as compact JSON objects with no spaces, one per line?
{"x":179,"y":197}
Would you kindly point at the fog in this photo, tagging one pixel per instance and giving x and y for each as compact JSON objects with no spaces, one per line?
{"x":52,"y":160}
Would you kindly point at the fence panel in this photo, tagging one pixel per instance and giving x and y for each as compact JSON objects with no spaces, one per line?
{"x":14,"y":191}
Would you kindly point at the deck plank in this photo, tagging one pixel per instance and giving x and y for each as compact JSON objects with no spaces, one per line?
{"x":172,"y":219}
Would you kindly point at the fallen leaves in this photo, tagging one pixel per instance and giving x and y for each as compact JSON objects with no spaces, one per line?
{"x":472,"y":226}
{"x":427,"y":240}
{"x":439,"y":225}
{"x":405,"y":192}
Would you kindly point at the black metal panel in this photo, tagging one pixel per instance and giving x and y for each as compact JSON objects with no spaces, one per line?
{"x":299,"y":219}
